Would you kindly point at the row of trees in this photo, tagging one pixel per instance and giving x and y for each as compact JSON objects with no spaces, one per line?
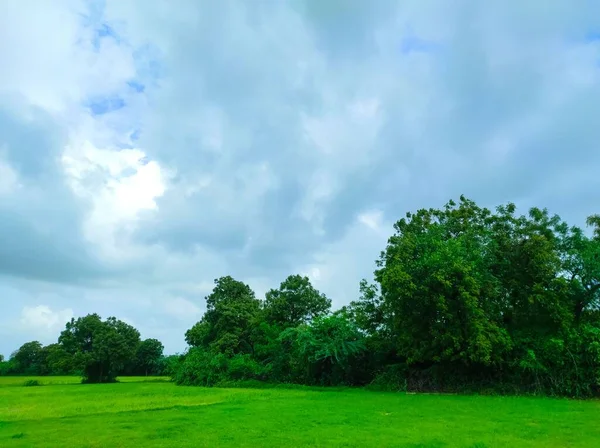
{"x":96,"y":349}
{"x":464,"y":298}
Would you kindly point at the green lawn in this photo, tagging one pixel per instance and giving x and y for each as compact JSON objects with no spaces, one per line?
{"x":56,"y":380}
{"x":137,"y":413}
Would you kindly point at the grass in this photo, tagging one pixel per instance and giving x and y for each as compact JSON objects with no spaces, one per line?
{"x":136,"y":413}
{"x":8,"y":381}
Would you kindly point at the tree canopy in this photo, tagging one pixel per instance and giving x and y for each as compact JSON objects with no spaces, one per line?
{"x":100,"y":348}
{"x":148,"y":355}
{"x":295,"y":302}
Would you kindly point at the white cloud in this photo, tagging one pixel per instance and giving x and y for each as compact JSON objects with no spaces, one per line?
{"x":371,"y":219}
{"x":62,"y":65}
{"x":119,"y":184}
{"x":42,"y":320}
{"x":182,"y":309}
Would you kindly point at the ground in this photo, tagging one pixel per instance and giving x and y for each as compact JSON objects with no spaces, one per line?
{"x":138,"y":413}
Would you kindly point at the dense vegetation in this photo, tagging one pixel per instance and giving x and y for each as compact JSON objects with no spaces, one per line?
{"x":464,"y":299}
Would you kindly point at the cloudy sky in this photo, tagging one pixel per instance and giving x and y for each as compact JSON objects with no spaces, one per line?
{"x":148,"y":147}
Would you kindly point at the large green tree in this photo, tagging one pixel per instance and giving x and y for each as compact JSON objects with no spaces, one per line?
{"x":441,"y":299}
{"x":100,"y":348}
{"x":296,"y":301}
{"x":469,"y":290}
{"x":226,"y":326}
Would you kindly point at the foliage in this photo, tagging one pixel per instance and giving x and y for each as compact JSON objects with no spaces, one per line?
{"x":148,"y":355}
{"x":100,"y":348}
{"x":594,"y":222}
{"x":28,"y":359}
{"x":226,"y":326}
{"x":322,"y":353}
{"x":168,"y":365}
{"x":295,"y":302}
{"x":392,"y":378}
{"x":8,"y":368}
{"x":493,"y":297}
{"x":203,"y":368}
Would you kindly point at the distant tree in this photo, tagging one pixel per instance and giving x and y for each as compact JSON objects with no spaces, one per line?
{"x":8,"y":368}
{"x":226,"y":326}
{"x":295,"y":302}
{"x":148,"y":355}
{"x":28,"y":358}
{"x":57,"y":361}
{"x":100,"y":348}
{"x":1,"y":358}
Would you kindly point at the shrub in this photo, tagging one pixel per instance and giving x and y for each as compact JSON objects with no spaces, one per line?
{"x":391,"y":379}
{"x":204,"y":368}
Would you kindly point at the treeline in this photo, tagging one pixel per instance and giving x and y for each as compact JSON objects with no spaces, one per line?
{"x":464,"y":299}
{"x":99,"y":351}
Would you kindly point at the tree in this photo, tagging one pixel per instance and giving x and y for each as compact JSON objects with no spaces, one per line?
{"x":295,"y":302}
{"x":226,"y":326}
{"x":437,"y":290}
{"x":28,"y":358}
{"x":57,"y":361}
{"x":469,"y":293}
{"x":148,"y":355}
{"x":100,"y":348}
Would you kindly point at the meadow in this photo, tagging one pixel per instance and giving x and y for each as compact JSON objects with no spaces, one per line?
{"x":150,"y":412}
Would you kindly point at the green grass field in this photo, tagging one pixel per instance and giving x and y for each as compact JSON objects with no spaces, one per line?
{"x":140,"y":413}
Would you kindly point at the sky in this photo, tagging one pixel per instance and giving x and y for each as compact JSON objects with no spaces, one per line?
{"x":148,"y":147}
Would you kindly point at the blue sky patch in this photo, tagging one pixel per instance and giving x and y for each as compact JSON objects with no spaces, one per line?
{"x":137,"y":86}
{"x":412,"y":44}
{"x":105,"y":105}
{"x":593,"y":36}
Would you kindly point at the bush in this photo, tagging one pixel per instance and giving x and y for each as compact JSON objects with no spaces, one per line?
{"x":31,"y":383}
{"x":391,"y":379}
{"x":204,"y":368}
